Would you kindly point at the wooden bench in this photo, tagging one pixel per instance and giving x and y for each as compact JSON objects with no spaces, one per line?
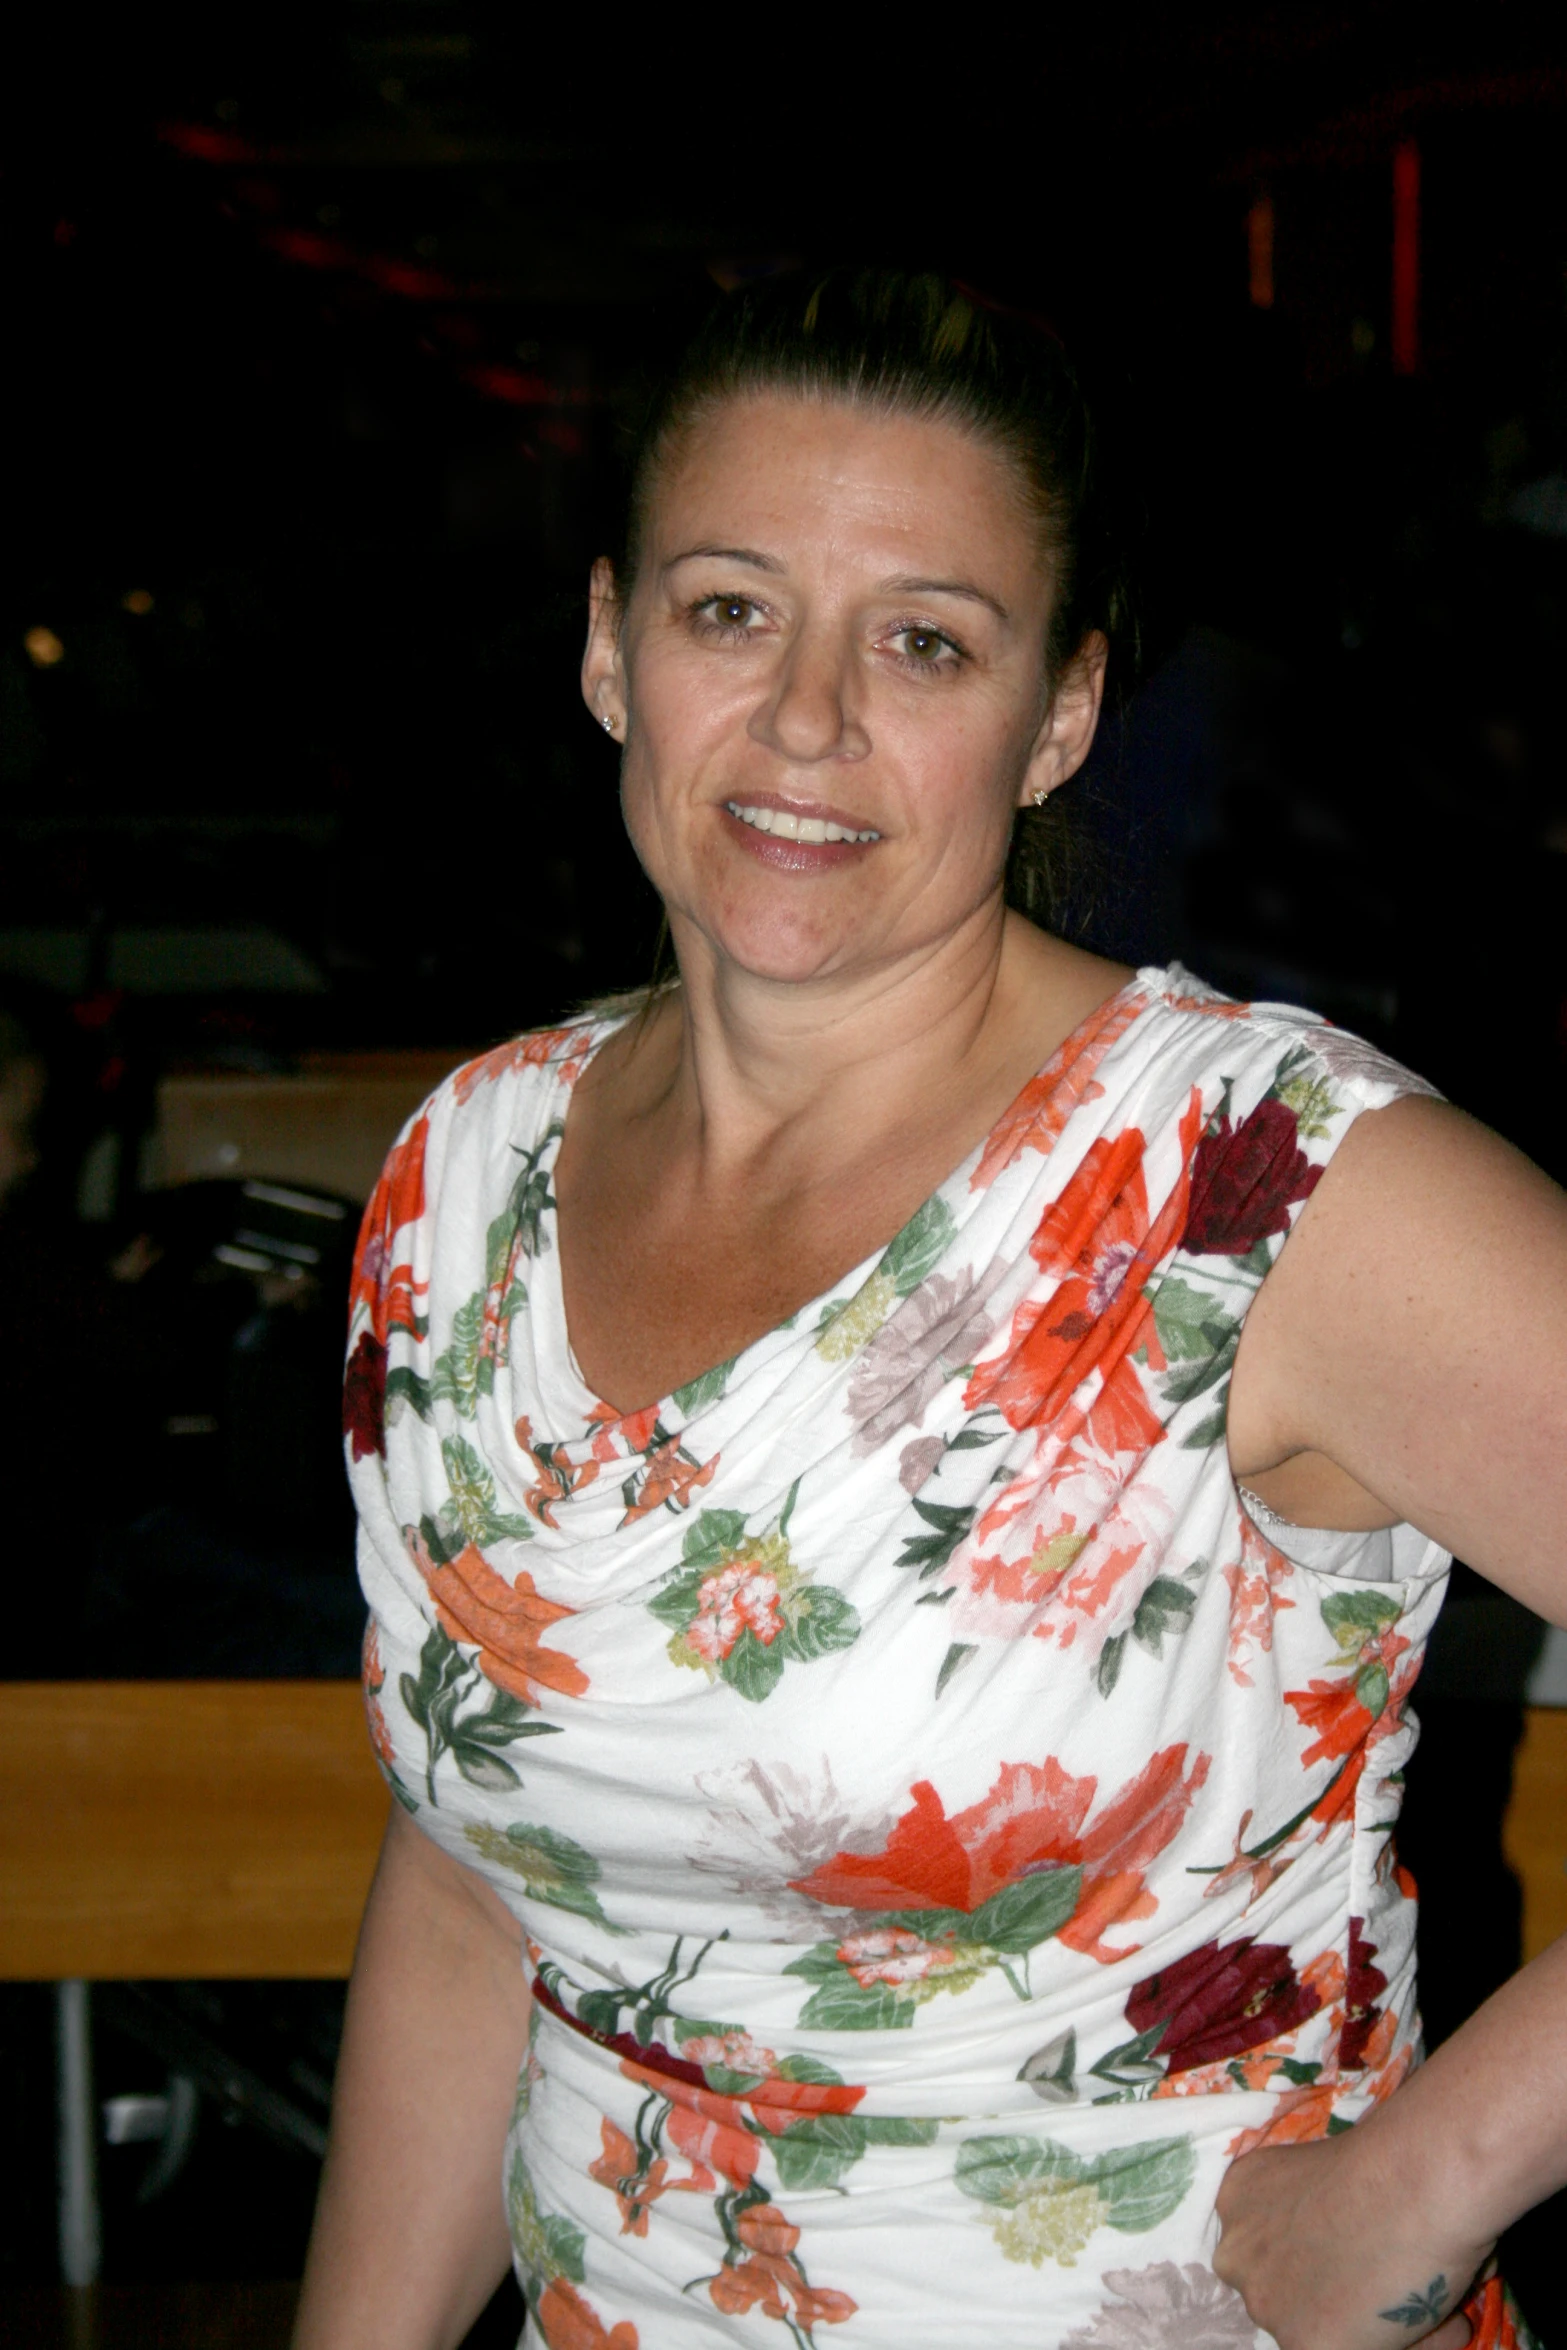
{"x":167,"y":1830}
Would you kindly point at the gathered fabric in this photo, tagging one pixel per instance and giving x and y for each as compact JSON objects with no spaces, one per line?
{"x":947,"y":1823}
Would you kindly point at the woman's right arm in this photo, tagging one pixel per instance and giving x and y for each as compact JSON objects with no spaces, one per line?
{"x":410,"y":2234}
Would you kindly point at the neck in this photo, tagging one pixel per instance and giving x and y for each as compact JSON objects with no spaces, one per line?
{"x":752,"y":1071}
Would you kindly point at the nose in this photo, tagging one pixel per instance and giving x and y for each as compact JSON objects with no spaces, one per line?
{"x":808,"y":716}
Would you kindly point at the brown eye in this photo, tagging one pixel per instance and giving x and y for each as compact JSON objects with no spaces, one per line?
{"x":731,"y":611}
{"x":924,"y":643}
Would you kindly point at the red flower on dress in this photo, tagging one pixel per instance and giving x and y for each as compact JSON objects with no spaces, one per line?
{"x":364,"y":1396}
{"x":1100,"y":1240}
{"x":1034,"y":1817}
{"x":385,"y":1286}
{"x":1345,"y":1725}
{"x":1245,"y":1181}
{"x":1364,"y":1985}
{"x":1215,"y":2002}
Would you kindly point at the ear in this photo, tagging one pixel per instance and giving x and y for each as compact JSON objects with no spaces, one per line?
{"x":1064,"y":740}
{"x":603,"y":675}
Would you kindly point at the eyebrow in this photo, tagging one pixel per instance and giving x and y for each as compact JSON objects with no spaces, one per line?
{"x":904,"y":585}
{"x":947,"y":587}
{"x":747,"y":555}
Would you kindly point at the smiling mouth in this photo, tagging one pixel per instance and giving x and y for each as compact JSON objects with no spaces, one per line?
{"x":784,"y":824}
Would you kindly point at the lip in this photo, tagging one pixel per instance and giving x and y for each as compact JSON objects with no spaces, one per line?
{"x":796,"y":856}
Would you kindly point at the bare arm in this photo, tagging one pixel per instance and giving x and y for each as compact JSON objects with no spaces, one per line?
{"x":410,"y":2234}
{"x":1413,"y":1340}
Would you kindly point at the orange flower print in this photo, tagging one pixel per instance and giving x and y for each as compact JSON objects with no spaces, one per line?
{"x":374,"y":1677}
{"x":1039,"y":1116}
{"x":617,"y":2169}
{"x":1034,"y":1818}
{"x":557,"y":1479}
{"x":668,"y":1480}
{"x":1255,"y":1599}
{"x":503,"y":1620}
{"x":769,"y":2278}
{"x":568,"y":1048}
{"x":388,"y":1288}
{"x":1354,"y":1712}
{"x":1100,"y":1241}
{"x":570,"y":2322}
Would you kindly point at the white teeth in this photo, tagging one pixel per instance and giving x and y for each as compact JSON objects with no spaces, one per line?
{"x":785,"y":825}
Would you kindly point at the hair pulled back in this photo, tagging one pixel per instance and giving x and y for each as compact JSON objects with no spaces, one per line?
{"x":915,"y":344}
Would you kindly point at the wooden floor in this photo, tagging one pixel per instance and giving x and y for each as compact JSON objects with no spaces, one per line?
{"x":150,"y":2317}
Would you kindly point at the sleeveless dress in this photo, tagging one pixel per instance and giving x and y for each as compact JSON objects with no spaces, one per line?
{"x":948,"y":1823}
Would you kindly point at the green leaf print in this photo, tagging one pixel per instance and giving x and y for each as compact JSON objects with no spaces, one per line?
{"x":1142,"y":2185}
{"x":518,"y":1225}
{"x":1211,"y":1430}
{"x":405,"y":1385}
{"x":843,"y":2005}
{"x":697,"y":1393}
{"x":1196,"y":1378}
{"x":547,"y":2245}
{"x":1027,"y":1912}
{"x":473,"y":1504}
{"x":929,"y":1552}
{"x":1310,"y":1096}
{"x":919,"y":1247}
{"x":433,"y":1701}
{"x":818,"y":2149}
{"x":820,"y":1620}
{"x":740,"y":1609}
{"x":1354,"y":1617}
{"x":1166,"y":1606}
{"x":716,"y":1535}
{"x":754,"y":1670}
{"x":957,"y":1654}
{"x":1191,"y":1323}
{"x":1048,"y":2202}
{"x":552,"y":1867}
{"x":458,"y":1376}
{"x":1108,"y":1670}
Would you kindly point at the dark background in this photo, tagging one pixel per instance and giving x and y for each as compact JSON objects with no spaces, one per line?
{"x":320,"y":324}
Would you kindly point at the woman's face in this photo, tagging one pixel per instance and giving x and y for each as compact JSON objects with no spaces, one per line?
{"x":829,"y":683}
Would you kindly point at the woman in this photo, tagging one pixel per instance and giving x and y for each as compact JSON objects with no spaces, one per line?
{"x":897,"y":1717}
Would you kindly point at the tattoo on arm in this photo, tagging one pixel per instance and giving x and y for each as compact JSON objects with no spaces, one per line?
{"x":1420,"y":2309}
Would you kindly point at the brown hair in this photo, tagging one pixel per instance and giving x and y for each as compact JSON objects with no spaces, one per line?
{"x":917,"y":344}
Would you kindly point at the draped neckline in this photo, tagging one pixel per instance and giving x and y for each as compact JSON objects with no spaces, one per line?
{"x":571,"y":1398}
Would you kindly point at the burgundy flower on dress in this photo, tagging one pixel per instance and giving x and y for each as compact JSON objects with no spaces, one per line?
{"x":1218,"y":2002}
{"x":1364,"y":1985}
{"x":364,"y":1396}
{"x":1245,"y":1180}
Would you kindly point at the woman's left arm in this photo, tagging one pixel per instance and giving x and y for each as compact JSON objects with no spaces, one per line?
{"x":1414,"y":1334}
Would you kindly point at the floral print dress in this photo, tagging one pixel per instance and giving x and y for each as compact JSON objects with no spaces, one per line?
{"x":948,"y":1822}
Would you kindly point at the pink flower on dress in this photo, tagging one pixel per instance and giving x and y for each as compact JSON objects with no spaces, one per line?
{"x":737,"y":2052}
{"x":742,"y":1599}
{"x":890,"y":1954}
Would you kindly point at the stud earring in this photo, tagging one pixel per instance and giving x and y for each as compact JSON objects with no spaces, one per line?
{"x":609,"y":725}
{"x":1040,"y":796}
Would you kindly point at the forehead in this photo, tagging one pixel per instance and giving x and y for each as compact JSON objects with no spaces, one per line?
{"x":789,"y":473}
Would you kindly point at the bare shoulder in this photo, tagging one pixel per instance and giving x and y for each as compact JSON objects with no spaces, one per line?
{"x":1414,"y":1333}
